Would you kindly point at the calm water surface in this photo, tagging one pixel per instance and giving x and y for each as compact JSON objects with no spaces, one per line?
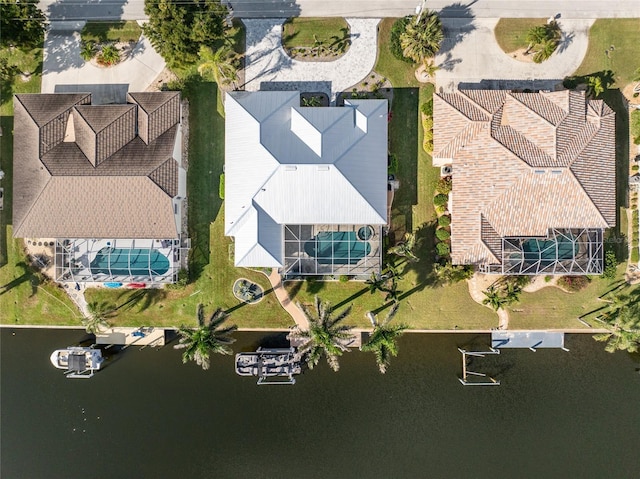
{"x":556,"y":414}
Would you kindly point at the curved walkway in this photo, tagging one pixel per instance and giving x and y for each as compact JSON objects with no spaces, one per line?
{"x":267,"y":62}
{"x":470,"y":54}
{"x":283,"y":297}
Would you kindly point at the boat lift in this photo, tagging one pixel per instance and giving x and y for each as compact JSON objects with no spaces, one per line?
{"x":467,"y":375}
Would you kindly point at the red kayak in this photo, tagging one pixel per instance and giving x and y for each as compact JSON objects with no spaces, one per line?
{"x":137,"y":285}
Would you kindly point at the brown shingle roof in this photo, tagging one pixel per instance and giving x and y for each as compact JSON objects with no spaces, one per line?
{"x":158,"y":112}
{"x":58,"y":192}
{"x":538,"y":161}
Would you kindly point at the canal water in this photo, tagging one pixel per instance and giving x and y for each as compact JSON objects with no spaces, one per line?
{"x":146,"y":415}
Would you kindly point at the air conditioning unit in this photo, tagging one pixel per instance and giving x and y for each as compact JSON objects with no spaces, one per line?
{"x":446,"y":170}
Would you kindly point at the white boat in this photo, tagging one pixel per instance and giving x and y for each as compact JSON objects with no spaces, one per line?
{"x":78,"y":362}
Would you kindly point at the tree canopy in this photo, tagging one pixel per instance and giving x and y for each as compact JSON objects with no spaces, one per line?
{"x":422,"y":38}
{"x":21,"y":23}
{"x":177,"y":29}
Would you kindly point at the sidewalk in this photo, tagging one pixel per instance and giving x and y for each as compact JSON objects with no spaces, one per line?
{"x":298,"y":316}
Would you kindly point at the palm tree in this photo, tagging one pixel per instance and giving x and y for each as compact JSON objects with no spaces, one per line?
{"x":87,"y":50}
{"x":221,"y":64}
{"x":382,"y":341}
{"x":376,"y":282}
{"x":623,"y":325}
{"x":548,"y":47}
{"x":594,"y":86}
{"x":109,"y":55}
{"x":422,"y":39}
{"x":325,"y":334}
{"x":494,"y":298}
{"x":512,"y":292}
{"x":430,"y":68}
{"x":405,"y":248}
{"x":209,"y":337}
{"x":99,"y":315}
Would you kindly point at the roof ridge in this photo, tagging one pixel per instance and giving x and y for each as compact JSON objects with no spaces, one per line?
{"x":360,"y":195}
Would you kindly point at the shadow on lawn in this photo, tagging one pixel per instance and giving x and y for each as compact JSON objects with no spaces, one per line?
{"x":143,"y":298}
{"x":206,"y":160}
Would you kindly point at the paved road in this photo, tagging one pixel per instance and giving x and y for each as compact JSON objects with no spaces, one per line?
{"x":58,"y":10}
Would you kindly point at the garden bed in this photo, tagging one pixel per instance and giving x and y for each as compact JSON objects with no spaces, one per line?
{"x":316,"y":39}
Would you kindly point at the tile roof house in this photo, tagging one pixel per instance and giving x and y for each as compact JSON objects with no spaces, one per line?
{"x":533,"y":179}
{"x":91,"y":173}
{"x":305,"y":188}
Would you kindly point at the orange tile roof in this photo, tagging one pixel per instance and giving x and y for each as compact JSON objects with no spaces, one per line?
{"x":524,"y":163}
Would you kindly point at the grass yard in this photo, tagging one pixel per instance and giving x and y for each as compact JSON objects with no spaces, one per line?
{"x":511,"y":33}
{"x":623,"y":34}
{"x":100,"y":32}
{"x":24,"y":61}
{"x":553,"y":308}
{"x":212,"y":268}
{"x":401,"y":74}
{"x":303,"y":32}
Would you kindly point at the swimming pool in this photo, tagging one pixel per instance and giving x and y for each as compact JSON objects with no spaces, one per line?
{"x":545,"y":250}
{"x":337,"y":247}
{"x":130,"y":262}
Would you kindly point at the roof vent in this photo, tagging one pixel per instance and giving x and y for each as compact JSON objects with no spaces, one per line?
{"x":323,"y":167}
{"x":290,"y":168}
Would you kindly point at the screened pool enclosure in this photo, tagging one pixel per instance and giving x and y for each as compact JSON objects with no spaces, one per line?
{"x":326,"y":250}
{"x":563,"y":251}
{"x":117,"y":260}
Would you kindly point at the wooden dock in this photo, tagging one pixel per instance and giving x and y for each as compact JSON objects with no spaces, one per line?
{"x":153,"y":337}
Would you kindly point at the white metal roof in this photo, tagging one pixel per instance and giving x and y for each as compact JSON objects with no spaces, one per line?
{"x":286,"y":164}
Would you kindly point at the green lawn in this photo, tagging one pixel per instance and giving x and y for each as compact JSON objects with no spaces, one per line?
{"x":303,"y":32}
{"x":401,"y":74}
{"x":211,"y":267}
{"x":623,"y":34}
{"x":100,"y":32}
{"x":25,"y":298}
{"x":511,"y":33}
{"x":553,"y":308}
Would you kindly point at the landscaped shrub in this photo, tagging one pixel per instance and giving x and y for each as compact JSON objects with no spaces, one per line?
{"x":109,"y":55}
{"x":221,"y":187}
{"x":635,"y":255}
{"x":574,"y":283}
{"x":443,"y":249}
{"x":610,"y":264}
{"x":183,"y":279}
{"x":440,"y":209}
{"x":570,"y":83}
{"x":343,"y":278}
{"x":634,"y":120}
{"x":398,"y":29}
{"x":427,"y":108}
{"x":440,"y":199}
{"x":548,"y":278}
{"x":444,"y":185}
{"x":446,"y":273}
{"x":392,"y":169}
{"x":444,"y":221}
{"x":442,"y":234}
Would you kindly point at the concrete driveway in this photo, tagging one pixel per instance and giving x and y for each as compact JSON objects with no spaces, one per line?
{"x":470,"y":54}
{"x":269,"y":67}
{"x":65,"y":71}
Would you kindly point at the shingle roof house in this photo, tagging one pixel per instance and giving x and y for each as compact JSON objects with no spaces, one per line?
{"x":305,"y":188}
{"x":96,"y":171}
{"x":533,"y":179}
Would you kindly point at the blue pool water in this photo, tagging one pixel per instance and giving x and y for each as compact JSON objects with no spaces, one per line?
{"x":337,"y":247}
{"x":134,"y":262}
{"x":545,"y":250}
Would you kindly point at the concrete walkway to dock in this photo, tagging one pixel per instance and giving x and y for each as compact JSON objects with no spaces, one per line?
{"x":283,"y":297}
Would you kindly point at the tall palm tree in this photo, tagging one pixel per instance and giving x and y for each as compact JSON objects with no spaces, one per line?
{"x":209,"y":337}
{"x":547,"y":49}
{"x":494,"y":298}
{"x":535,"y":36}
{"x":430,"y":68}
{"x":405,"y":248}
{"x":383,"y":339}
{"x":99,"y":315}
{"x":623,"y":325}
{"x":222,"y":64}
{"x":421,"y":40}
{"x":512,"y":292}
{"x":325,"y":334}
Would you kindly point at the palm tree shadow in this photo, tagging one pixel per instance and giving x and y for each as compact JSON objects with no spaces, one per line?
{"x":27,"y":275}
{"x":350,"y":298}
{"x":457,"y":23}
{"x":143,"y":299}
{"x":566,"y":39}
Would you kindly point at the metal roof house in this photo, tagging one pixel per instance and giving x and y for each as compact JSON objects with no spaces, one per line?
{"x":534,"y":182}
{"x":305,"y":188}
{"x":104,"y":181}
